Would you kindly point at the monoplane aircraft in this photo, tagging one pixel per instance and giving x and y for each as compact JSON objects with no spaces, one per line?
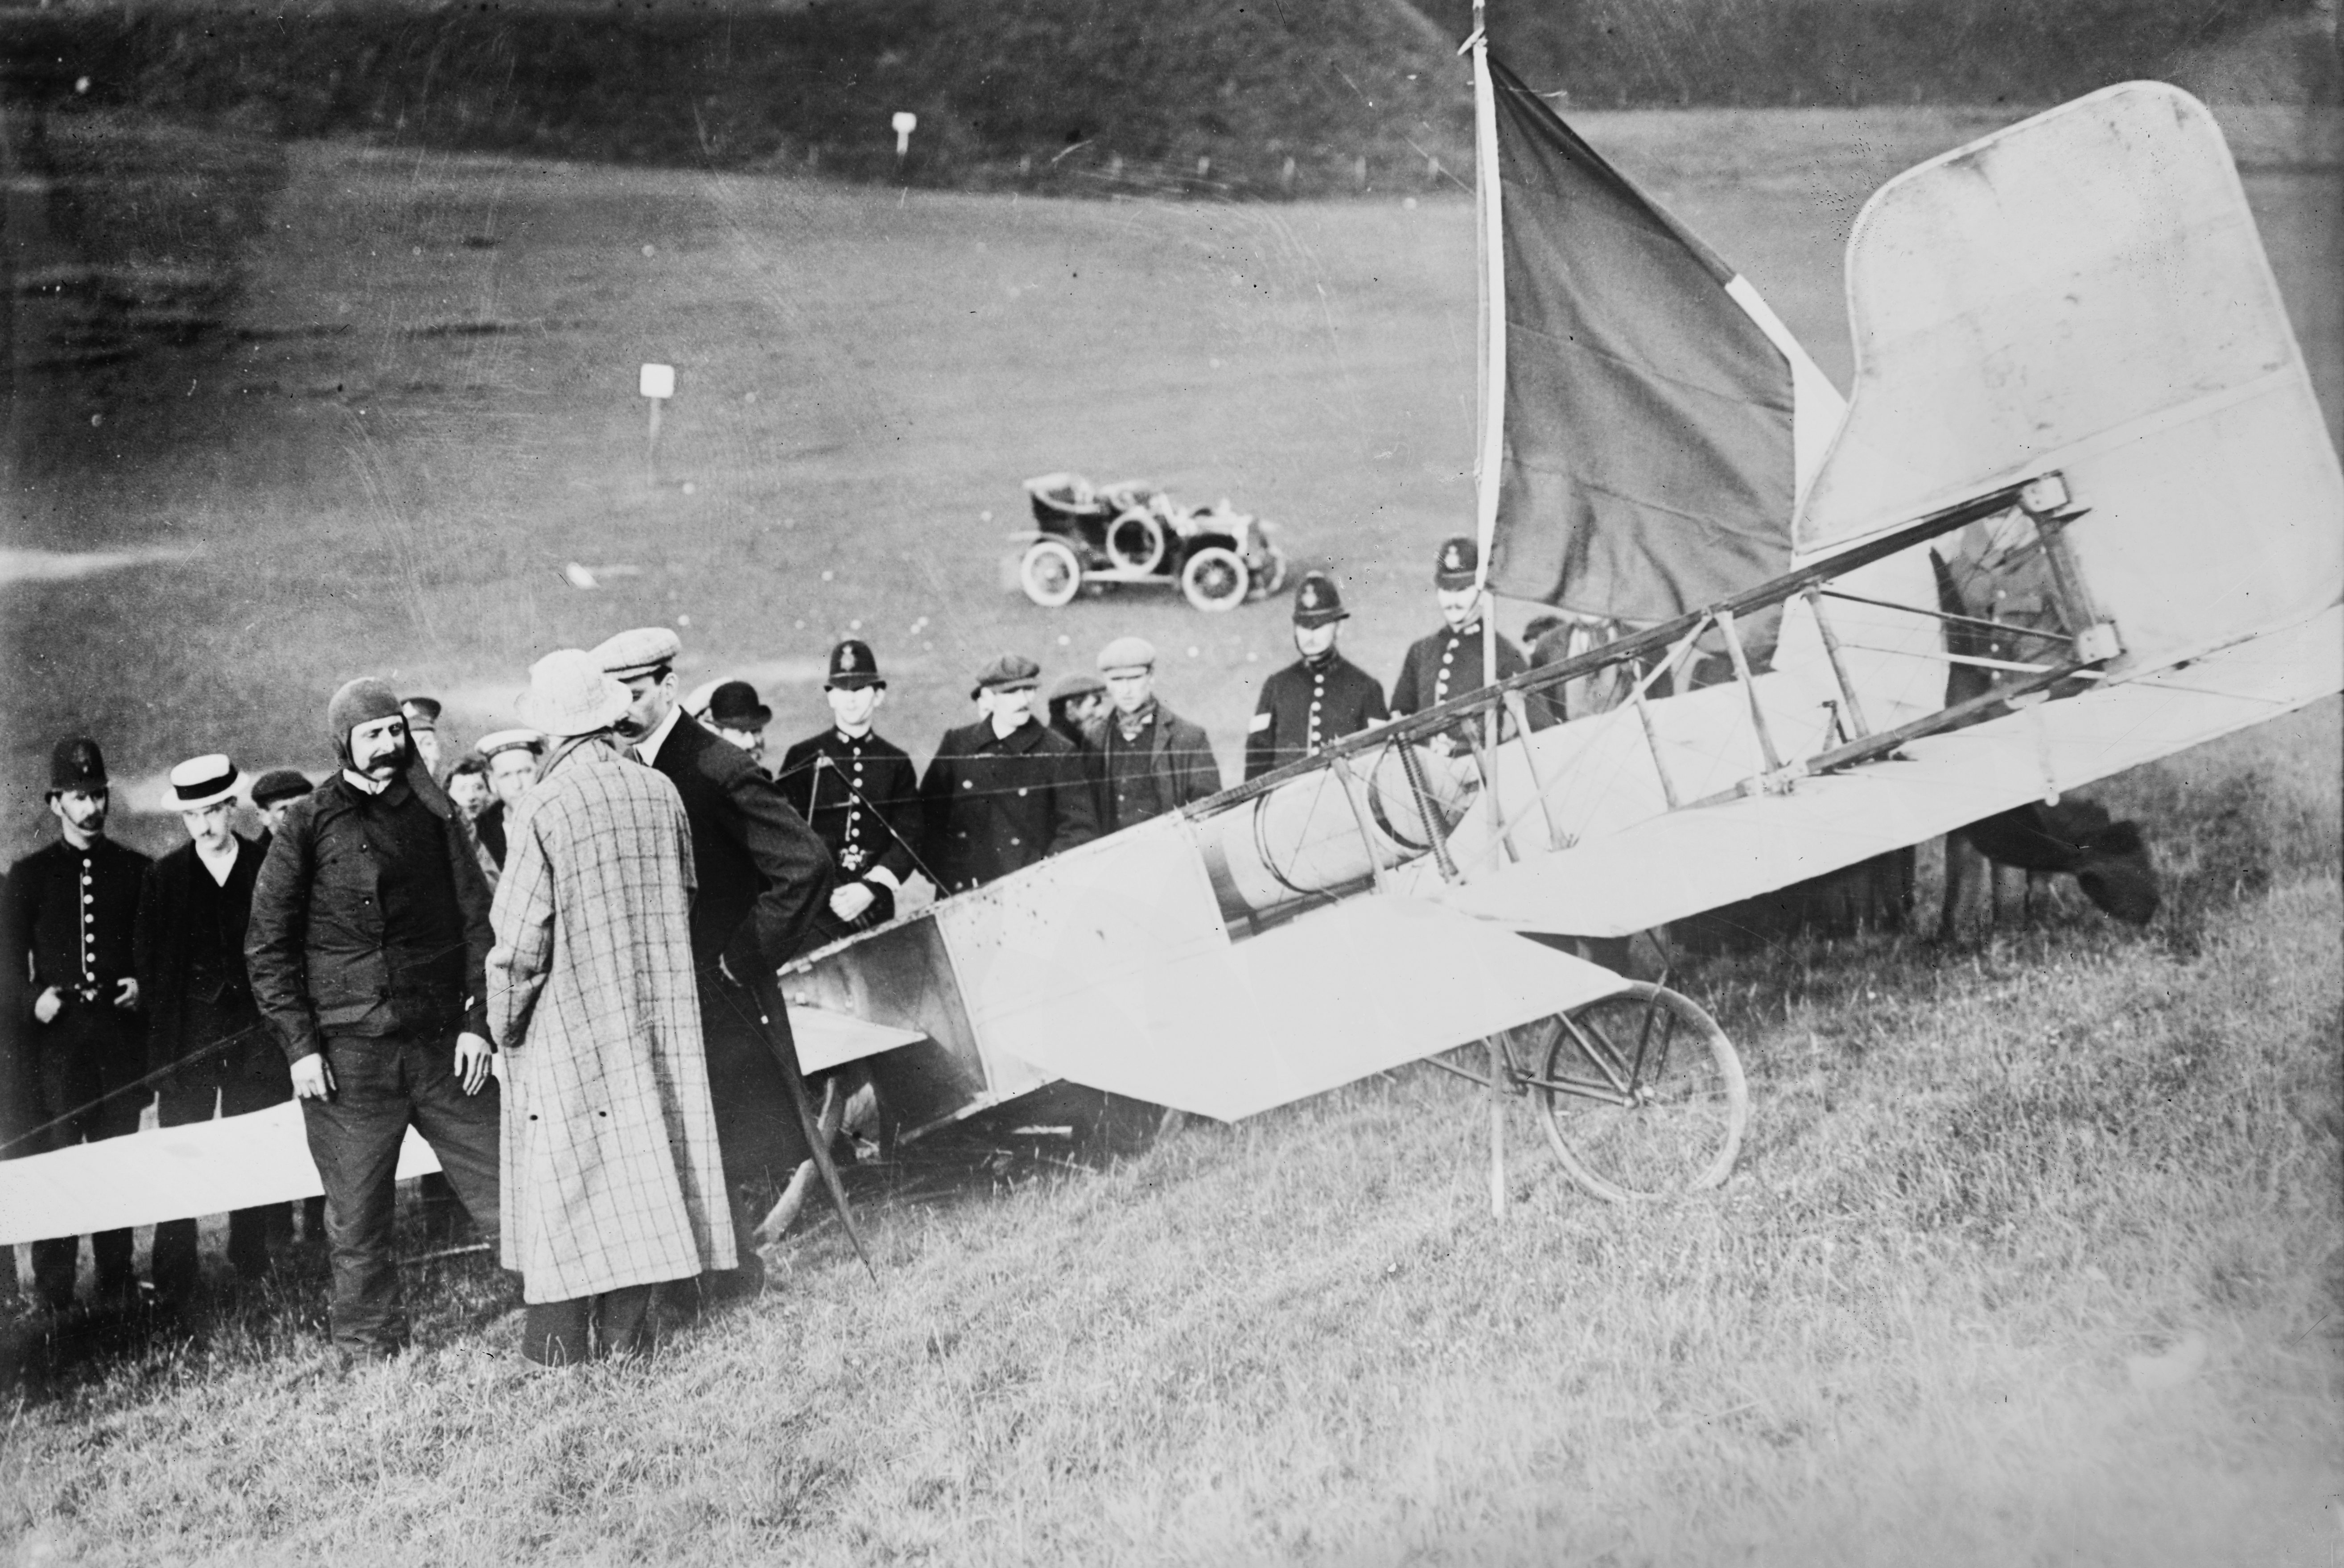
{"x":2071,"y":364}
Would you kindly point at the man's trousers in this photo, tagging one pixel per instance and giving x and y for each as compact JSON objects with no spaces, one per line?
{"x":248,"y":1077}
{"x":85,"y":1062}
{"x":381,"y":1086}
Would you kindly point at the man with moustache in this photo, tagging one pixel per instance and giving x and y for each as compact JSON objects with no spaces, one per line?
{"x":369,"y":929}
{"x":860,"y":794}
{"x":762,"y":875}
{"x":1320,"y":697}
{"x":1007,"y":792}
{"x":70,"y":917}
{"x":189,"y":942}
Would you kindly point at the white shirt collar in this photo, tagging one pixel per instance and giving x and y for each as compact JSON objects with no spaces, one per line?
{"x":648,"y":748}
{"x":363,"y":784}
{"x":219,"y":864}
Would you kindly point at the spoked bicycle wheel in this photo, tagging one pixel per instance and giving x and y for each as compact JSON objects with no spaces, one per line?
{"x":1640,"y":1094}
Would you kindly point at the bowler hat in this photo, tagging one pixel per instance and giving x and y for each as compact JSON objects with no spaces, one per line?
{"x":734,"y":705}
{"x":852,"y":665}
{"x":279,"y":784}
{"x":1126,"y":653}
{"x":644,"y":650}
{"x":1317,"y":602}
{"x":569,"y":695}
{"x":1009,"y":672}
{"x":1458,"y":564}
{"x":422,"y":712}
{"x":203,"y":780}
{"x":77,"y":765}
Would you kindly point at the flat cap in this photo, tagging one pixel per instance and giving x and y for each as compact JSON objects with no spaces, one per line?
{"x":1009,"y":672}
{"x":639,"y":652}
{"x":279,"y":784}
{"x":1126,"y":653}
{"x":511,"y":741}
{"x":1080,"y":684}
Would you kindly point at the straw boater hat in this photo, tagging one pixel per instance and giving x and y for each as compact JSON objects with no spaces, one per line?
{"x":511,"y":741}
{"x":203,"y":780}
{"x":569,"y":695}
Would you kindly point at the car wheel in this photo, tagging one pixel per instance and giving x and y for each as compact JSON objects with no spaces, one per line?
{"x":1215,"y":578}
{"x":1050,"y":573}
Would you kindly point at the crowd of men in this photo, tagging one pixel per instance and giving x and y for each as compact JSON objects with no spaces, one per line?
{"x":604,"y":897}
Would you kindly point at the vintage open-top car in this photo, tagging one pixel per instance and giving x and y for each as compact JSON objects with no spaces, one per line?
{"x":1134,"y":532}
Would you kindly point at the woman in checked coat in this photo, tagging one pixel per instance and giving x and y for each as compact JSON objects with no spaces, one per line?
{"x":612,"y":1184}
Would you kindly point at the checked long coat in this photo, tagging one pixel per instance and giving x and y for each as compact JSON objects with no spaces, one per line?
{"x":611,"y":1175}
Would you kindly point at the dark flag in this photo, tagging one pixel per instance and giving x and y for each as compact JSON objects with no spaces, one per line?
{"x":1649,"y":463}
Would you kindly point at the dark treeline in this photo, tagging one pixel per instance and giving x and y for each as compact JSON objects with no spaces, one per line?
{"x":1291,"y":97}
{"x":1635,"y":54}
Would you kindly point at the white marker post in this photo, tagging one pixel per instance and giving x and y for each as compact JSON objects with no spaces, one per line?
{"x":657,"y":384}
{"x":905,"y":123}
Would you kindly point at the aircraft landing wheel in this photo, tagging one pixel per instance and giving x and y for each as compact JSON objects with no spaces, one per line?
{"x":1216,"y":578}
{"x":1640,"y":1093}
{"x":1050,"y":573}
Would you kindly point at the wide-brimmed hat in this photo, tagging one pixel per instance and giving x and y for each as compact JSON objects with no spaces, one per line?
{"x":641,"y":652}
{"x":1317,"y":602}
{"x":853,"y":666}
{"x":1009,"y":672}
{"x":280,"y":783}
{"x":734,"y":705}
{"x":203,"y":780}
{"x":569,"y":694}
{"x":77,"y":763}
{"x":1457,"y":565}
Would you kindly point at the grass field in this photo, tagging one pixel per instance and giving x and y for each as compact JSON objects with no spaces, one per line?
{"x":2033,"y":1257}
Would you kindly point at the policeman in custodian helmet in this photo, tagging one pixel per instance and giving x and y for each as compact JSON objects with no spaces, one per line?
{"x":1320,"y":697}
{"x":860,"y":794}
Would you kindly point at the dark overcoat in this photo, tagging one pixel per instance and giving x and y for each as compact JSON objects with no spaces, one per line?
{"x":762,"y":875}
{"x":164,"y":941}
{"x":1179,"y":769}
{"x":996,"y":803}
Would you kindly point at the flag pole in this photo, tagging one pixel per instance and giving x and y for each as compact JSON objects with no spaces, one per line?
{"x":1489,"y":236}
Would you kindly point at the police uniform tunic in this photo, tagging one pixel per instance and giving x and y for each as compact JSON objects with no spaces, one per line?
{"x":860,"y":795}
{"x":72,"y":911}
{"x":1306,"y":706}
{"x":1449,"y":665}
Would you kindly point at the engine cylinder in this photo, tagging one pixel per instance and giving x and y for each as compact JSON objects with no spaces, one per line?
{"x":1305,"y":836}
